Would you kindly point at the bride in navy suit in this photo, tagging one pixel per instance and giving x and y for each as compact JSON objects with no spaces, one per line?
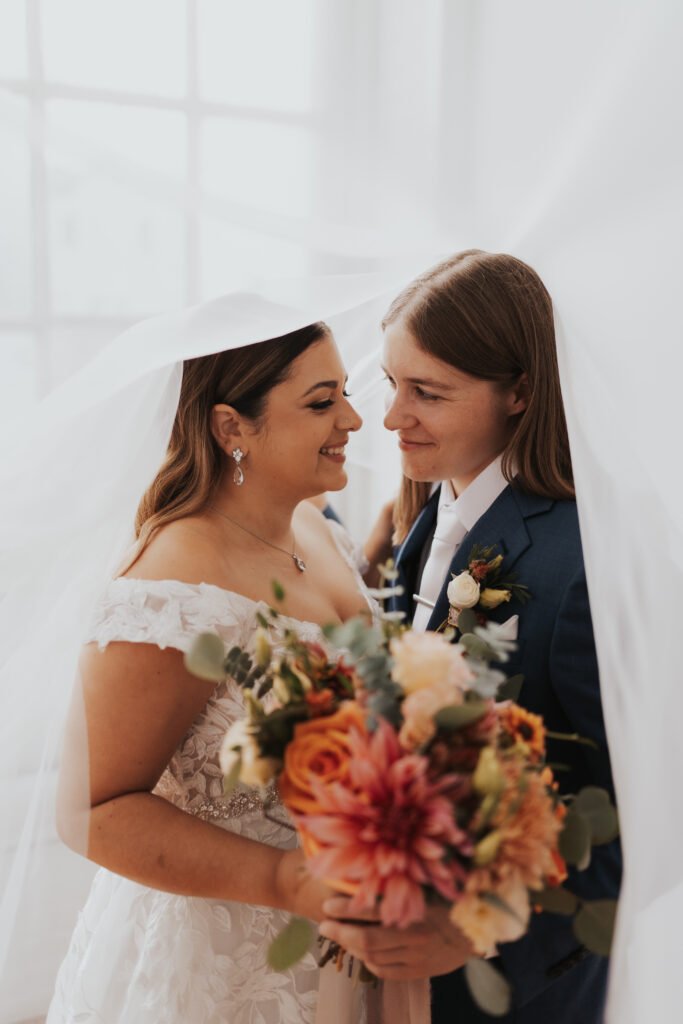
{"x":476,"y":404}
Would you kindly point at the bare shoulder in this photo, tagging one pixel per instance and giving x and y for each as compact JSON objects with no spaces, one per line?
{"x":187,"y":549}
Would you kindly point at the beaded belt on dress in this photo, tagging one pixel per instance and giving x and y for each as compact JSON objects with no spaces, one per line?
{"x":237,"y":805}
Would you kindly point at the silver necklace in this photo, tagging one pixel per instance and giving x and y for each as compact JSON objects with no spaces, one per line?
{"x":298,"y":562}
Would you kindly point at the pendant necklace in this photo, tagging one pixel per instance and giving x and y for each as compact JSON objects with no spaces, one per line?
{"x":298,"y":561}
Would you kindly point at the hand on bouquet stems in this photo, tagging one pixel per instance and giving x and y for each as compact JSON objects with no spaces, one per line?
{"x":432,"y":947}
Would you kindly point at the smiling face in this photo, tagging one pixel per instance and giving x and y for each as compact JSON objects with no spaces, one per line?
{"x":450,"y":425}
{"x":298,"y":444}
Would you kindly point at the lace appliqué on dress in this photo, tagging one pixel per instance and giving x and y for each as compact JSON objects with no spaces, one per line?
{"x":140,"y":956}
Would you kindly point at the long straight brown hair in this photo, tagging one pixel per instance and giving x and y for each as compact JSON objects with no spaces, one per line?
{"x":489,"y":315}
{"x":194,"y":463}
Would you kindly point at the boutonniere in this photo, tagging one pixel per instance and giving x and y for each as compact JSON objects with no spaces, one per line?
{"x":482,"y":586}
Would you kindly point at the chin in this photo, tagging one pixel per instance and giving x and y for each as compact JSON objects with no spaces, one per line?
{"x":420,"y":474}
{"x":336,"y":483}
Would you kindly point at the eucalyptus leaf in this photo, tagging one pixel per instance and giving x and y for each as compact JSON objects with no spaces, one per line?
{"x":355,"y":636}
{"x":467,"y":621}
{"x":572,"y":737}
{"x":382,"y":593}
{"x":594,"y":925}
{"x":477,"y":647}
{"x":489,"y":989}
{"x":595,"y":805}
{"x":511,"y":688}
{"x":205,"y":658}
{"x":457,"y":716}
{"x":556,"y":900}
{"x":291,"y":944}
{"x":487,"y":681}
{"x":575,"y":840}
{"x":278,"y":591}
{"x":383,"y":705}
{"x":374,"y":666}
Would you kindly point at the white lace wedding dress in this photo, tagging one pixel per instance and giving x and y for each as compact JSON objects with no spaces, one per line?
{"x":141,"y":956}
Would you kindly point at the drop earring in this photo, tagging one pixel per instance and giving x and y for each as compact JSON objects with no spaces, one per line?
{"x":238,"y":475}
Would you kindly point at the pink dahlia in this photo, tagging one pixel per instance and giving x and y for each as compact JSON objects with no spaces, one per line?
{"x":387,"y":831}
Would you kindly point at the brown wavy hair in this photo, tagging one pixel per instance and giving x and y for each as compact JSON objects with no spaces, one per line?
{"x":489,"y":315}
{"x":194,"y":463}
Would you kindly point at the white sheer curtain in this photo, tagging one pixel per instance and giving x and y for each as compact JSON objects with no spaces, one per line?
{"x":158,"y":152}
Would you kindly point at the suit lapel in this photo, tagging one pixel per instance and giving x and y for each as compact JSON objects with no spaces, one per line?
{"x":503,"y":527}
{"x":408,"y":555}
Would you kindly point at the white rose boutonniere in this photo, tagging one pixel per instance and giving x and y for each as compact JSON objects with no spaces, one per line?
{"x":482,"y":586}
{"x":463,"y":591}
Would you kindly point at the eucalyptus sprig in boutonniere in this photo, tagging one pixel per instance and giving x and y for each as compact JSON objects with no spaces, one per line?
{"x":482,"y":586}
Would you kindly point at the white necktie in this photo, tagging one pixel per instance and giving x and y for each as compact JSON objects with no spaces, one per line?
{"x":447,"y":539}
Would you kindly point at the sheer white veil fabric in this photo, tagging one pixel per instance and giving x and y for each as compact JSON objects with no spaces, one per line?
{"x":71,"y":484}
{"x":553,"y":134}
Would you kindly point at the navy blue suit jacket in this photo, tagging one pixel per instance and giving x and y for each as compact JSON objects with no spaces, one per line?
{"x":553,"y":977}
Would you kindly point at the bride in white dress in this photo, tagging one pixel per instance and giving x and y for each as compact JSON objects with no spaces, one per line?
{"x":194,"y":885}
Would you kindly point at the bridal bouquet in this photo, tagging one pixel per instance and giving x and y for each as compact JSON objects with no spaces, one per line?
{"x":411,"y":777}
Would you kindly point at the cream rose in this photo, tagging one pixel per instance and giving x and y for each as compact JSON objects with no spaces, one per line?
{"x":490,"y":598}
{"x":240,"y":746}
{"x":486,"y":924}
{"x":426,"y":660}
{"x":463,"y":591}
{"x":236,"y":740}
{"x":420,"y":708}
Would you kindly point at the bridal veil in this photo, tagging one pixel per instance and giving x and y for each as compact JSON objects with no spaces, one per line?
{"x":549,"y":131}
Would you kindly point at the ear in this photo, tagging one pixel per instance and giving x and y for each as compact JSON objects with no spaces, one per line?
{"x":518,"y":395}
{"x":227,"y":428}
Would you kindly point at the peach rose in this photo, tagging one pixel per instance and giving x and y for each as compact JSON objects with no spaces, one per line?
{"x":425,"y":660}
{"x":319,"y":751}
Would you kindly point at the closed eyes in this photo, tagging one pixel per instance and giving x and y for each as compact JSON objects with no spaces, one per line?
{"x":419,"y":391}
{"x":320,"y":406}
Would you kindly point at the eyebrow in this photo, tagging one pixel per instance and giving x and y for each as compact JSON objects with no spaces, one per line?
{"x":323,"y":384}
{"x":425,"y":382}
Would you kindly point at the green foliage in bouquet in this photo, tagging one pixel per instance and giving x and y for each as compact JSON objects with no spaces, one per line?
{"x":290,"y":683}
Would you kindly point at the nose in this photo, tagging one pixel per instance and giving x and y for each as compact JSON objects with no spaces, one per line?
{"x":349,"y":418}
{"x":396,"y":415}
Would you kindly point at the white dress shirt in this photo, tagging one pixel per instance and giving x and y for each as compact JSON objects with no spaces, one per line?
{"x":455,"y":518}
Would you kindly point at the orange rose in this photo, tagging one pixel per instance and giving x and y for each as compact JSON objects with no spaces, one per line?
{"x":319,"y":751}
